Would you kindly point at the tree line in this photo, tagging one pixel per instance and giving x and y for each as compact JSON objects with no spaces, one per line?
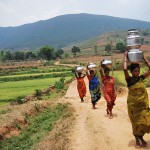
{"x":45,"y":52}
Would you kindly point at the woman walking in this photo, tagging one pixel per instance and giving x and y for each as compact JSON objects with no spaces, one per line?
{"x":94,"y":87}
{"x":108,"y":88}
{"x":137,"y":101}
{"x":81,"y":85}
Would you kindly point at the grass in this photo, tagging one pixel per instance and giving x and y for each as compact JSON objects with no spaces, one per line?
{"x":38,"y":127}
{"x":30,"y":70}
{"x":33,"y":77}
{"x":12,"y":90}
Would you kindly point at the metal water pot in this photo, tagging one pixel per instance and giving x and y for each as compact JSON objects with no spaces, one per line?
{"x":107,"y":64}
{"x":133,"y":39}
{"x":79,"y":69}
{"x":135,"y":56}
{"x":91,"y":66}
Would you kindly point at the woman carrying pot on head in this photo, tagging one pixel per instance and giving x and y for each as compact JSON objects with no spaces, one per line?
{"x":81,"y":85}
{"x":108,"y":88}
{"x":137,"y":101}
{"x":94,"y":87}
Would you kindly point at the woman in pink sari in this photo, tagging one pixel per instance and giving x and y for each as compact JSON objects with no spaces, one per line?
{"x":108,"y":88}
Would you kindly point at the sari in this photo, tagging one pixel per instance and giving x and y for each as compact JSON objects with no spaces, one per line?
{"x":81,"y":87}
{"x":94,"y":87}
{"x":138,"y":108}
{"x":109,"y":91}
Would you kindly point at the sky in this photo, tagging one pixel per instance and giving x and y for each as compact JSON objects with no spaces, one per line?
{"x":19,"y":12}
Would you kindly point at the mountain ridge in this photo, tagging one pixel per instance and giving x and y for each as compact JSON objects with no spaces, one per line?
{"x":63,"y":30}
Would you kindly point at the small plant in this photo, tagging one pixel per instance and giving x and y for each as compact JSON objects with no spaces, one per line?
{"x":37,"y":107}
{"x":17,"y":126}
{"x":5,"y":111}
{"x":60,"y":84}
{"x":38,"y":92}
{"x":19,"y":100}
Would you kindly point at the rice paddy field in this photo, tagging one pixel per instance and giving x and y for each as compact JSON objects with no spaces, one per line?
{"x":20,"y":82}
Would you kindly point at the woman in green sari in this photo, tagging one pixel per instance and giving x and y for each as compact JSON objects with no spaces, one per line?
{"x":137,"y":101}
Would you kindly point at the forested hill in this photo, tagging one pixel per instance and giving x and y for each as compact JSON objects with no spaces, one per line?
{"x":63,"y":30}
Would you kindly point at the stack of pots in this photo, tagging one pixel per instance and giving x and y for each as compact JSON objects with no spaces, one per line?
{"x":133,"y":42}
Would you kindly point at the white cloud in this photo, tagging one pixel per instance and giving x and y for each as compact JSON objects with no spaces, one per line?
{"x":17,"y":12}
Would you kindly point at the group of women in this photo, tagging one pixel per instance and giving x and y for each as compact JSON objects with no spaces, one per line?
{"x":108,"y":87}
{"x":137,"y":100}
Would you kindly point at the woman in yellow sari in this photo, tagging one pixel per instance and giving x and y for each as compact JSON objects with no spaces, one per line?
{"x":137,"y":101}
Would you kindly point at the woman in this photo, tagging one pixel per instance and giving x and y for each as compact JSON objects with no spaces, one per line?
{"x":108,"y":87}
{"x":138,"y":104}
{"x":81,"y":85}
{"x":94,"y":87}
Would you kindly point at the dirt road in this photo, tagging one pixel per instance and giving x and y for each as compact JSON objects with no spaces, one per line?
{"x":93,"y":130}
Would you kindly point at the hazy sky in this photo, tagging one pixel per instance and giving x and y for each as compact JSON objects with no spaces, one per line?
{"x":18,"y":12}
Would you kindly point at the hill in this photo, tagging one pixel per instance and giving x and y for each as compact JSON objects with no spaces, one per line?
{"x":63,"y":30}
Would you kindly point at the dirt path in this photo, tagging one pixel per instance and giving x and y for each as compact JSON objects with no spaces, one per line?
{"x":93,"y":130}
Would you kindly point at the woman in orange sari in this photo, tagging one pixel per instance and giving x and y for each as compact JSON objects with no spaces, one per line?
{"x":108,"y":88}
{"x":81,"y":85}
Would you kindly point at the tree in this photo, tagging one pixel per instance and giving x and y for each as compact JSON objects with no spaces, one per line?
{"x":121,"y":46}
{"x":95,"y":49}
{"x":46,"y":53}
{"x":108,"y":48}
{"x":59,"y":52}
{"x":18,"y":55}
{"x":7,"y":55}
{"x":75,"y":49}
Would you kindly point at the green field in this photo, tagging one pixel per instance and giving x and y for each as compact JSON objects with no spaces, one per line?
{"x":11,"y":90}
{"x":19,"y":82}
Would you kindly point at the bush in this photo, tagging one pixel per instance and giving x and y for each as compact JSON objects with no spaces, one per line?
{"x":38,"y":92}
{"x":49,"y":63}
{"x":147,"y":82}
{"x":60,"y":84}
{"x":117,"y":65}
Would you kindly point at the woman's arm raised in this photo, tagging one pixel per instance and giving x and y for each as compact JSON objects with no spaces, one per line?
{"x":125,"y":65}
{"x":147,"y":73}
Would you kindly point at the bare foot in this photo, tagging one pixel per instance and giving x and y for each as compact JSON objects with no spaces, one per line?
{"x":111,"y":116}
{"x":107,"y":111}
{"x":94,"y":107}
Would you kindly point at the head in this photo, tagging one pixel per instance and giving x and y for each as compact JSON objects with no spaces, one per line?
{"x":135,"y":70}
{"x":106,"y":72}
{"x":79,"y":74}
{"x":92,"y":74}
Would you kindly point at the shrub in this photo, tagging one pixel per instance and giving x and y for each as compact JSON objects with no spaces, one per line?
{"x":38,"y":92}
{"x":60,"y":84}
{"x":48,"y":63}
{"x":147,"y":82}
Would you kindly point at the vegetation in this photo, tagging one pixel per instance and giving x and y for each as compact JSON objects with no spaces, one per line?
{"x":121,"y":46}
{"x":75,"y":49}
{"x":45,"y":52}
{"x":75,"y":28}
{"x":38,"y":127}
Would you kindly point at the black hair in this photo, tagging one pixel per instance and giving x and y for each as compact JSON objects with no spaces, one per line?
{"x":91,"y":71}
{"x":133,"y":66}
{"x":106,"y":70}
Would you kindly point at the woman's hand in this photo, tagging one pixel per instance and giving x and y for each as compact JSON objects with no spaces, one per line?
{"x":143,"y":56}
{"x":126,"y":53}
